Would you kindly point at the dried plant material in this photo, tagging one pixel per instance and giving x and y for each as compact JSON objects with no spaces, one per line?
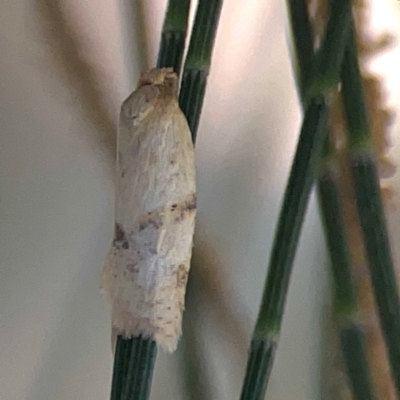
{"x":317,"y":10}
{"x":368,"y":43}
{"x":147,"y":267}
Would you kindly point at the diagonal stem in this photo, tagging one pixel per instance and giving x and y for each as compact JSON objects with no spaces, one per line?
{"x":198,"y":61}
{"x":301,"y":179}
{"x":370,"y":209}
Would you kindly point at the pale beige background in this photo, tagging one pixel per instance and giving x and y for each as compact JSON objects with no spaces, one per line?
{"x":58,"y":109}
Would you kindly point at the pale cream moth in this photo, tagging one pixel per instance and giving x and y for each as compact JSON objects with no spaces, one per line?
{"x":146,"y":270}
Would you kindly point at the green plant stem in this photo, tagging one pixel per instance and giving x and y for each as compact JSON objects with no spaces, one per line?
{"x":173,"y":35}
{"x":327,"y":62}
{"x":328,"y":190}
{"x":121,"y":361}
{"x":302,"y":175}
{"x":133,"y":368}
{"x":379,"y":259}
{"x":192,"y":91}
{"x":370,"y":209}
{"x":302,"y":38}
{"x":351,"y":333}
{"x":352,"y":340}
{"x":198,"y":61}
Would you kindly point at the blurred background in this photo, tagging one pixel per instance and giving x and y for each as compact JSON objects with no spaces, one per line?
{"x":66,"y":67}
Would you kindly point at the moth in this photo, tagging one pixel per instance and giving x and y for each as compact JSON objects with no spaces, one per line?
{"x":146,"y":271}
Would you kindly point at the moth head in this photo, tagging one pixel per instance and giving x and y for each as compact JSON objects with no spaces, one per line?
{"x":165,"y":77}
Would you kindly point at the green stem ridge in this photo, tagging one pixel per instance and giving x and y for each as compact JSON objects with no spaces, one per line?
{"x":173,"y":36}
{"x":140,"y":369}
{"x":191,"y":97}
{"x":121,"y":360}
{"x":203,"y":34}
{"x":133,"y":368}
{"x":171,"y":53}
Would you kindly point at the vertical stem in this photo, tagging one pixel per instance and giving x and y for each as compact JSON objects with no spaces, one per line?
{"x":327,"y":63}
{"x":173,"y":35}
{"x":370,"y":207}
{"x":351,"y":333}
{"x":121,"y":360}
{"x":198,"y":61}
{"x":305,"y":165}
{"x":302,"y":38}
{"x":133,"y":368}
{"x":302,"y":175}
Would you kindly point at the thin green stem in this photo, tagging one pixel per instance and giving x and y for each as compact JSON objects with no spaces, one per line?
{"x":302,"y":38}
{"x":359,"y":136}
{"x":173,"y":35}
{"x":191,"y":97}
{"x":198,"y":61}
{"x":330,"y":60}
{"x":305,"y":165}
{"x":301,"y":179}
{"x":121,"y":361}
{"x":133,"y":368}
{"x":345,"y":298}
{"x":327,"y":64}
{"x":332,"y":218}
{"x":379,"y":258}
{"x":353,"y":348}
{"x":302,"y":175}
{"x":259,"y":365}
{"x":370,"y":209}
{"x":351,"y":333}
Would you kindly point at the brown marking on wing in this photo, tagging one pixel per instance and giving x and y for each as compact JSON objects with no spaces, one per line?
{"x":181,"y":276}
{"x":120,"y":240}
{"x":182,"y":209}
